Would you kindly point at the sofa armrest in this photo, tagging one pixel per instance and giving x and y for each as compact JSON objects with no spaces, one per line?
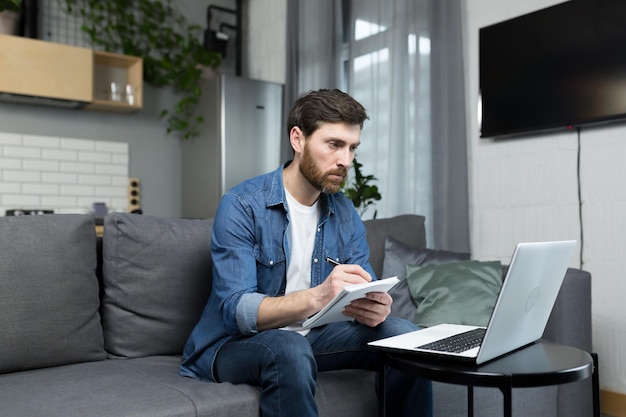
{"x":570,"y":321}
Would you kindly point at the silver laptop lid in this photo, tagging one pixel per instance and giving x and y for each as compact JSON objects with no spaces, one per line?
{"x":527,"y":296}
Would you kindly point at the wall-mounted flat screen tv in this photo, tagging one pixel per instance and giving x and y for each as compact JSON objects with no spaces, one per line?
{"x":559,"y":68}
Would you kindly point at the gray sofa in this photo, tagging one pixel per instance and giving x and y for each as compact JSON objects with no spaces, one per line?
{"x":95,"y":327}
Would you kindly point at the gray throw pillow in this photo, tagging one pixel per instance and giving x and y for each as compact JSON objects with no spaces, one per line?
{"x":48,"y":292}
{"x":462,"y":292}
{"x":397,"y":256}
{"x":157,"y":278}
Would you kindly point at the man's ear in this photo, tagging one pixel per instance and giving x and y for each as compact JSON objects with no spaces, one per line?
{"x":296,"y":138}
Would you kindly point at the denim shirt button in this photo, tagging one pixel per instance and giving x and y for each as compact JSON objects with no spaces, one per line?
{"x":271,"y":263}
{"x":315,"y":260}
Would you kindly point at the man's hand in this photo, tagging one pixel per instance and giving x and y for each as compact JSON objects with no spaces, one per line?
{"x":371,"y":310}
{"x":340,"y":276}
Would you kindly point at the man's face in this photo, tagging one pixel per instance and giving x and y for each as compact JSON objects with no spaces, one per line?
{"x":327,"y":155}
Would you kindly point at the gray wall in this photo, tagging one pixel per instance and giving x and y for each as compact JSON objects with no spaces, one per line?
{"x":155,"y":157}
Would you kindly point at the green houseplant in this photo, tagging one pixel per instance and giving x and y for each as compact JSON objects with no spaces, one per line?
{"x":360,"y":191}
{"x":9,"y":16}
{"x":11,"y":5}
{"x":170,"y":47}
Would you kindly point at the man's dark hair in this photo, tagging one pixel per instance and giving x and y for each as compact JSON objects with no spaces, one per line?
{"x":324,"y":105}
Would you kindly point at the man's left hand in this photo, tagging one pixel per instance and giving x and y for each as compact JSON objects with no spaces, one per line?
{"x":371,"y":310}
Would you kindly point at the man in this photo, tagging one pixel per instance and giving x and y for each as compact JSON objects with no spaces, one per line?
{"x":270,"y":240}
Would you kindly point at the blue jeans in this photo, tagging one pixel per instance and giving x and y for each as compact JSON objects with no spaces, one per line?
{"x":285,"y":365}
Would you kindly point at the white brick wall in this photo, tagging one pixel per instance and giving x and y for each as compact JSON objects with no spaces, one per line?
{"x":63,"y":174}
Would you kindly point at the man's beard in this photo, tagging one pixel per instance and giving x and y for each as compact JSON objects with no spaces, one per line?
{"x":320,"y":180}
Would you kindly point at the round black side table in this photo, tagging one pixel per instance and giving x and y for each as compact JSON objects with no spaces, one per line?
{"x":540,"y":364}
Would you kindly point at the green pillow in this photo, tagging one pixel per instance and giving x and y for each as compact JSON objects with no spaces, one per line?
{"x":463,"y":292}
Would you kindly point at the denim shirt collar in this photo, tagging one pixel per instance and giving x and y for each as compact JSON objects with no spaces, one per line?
{"x":277,"y":196}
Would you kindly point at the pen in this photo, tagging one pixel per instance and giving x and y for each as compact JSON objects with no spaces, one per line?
{"x":332,"y":261}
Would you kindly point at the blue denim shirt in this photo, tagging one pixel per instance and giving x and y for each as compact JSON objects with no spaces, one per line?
{"x":250,"y":252}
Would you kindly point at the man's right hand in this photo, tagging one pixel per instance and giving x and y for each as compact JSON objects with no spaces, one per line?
{"x":340,"y":276}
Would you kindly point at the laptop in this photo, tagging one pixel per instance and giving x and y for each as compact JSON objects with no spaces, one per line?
{"x":519,"y":317}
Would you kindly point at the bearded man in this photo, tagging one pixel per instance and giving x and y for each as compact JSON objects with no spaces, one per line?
{"x":271,"y":237}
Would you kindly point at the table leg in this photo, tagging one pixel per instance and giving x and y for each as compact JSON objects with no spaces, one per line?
{"x":381,"y":385}
{"x":507,"y":394}
{"x":470,"y":401}
{"x":595,"y":378}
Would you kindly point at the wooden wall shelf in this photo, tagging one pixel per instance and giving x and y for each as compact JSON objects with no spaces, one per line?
{"x":123,"y":70}
{"x":36,"y":68}
{"x":32,"y":67}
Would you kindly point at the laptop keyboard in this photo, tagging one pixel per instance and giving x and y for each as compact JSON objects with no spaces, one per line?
{"x":457,"y":343}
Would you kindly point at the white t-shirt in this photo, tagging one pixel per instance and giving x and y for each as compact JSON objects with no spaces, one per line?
{"x":302,"y":229}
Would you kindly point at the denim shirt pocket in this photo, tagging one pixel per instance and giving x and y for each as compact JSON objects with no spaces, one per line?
{"x":340,"y":254}
{"x":271,"y":269}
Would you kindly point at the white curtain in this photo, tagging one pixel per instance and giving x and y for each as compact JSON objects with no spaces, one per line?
{"x":390,"y":75}
{"x":403,"y":60}
{"x":315,"y":43}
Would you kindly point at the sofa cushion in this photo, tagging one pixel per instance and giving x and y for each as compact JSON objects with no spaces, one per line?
{"x":48,"y":292}
{"x":397,"y":256}
{"x":152,"y":387}
{"x":463,"y":292}
{"x":157,"y":278}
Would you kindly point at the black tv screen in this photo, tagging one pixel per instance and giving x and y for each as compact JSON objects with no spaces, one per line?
{"x":559,"y":68}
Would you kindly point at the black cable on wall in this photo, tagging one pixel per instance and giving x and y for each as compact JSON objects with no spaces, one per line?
{"x":580,"y":203}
